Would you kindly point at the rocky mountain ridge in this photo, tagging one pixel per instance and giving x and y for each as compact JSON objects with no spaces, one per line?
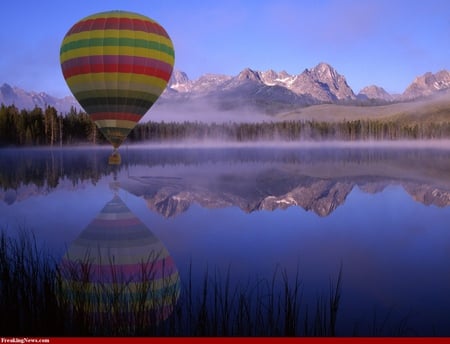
{"x":11,"y":95}
{"x":269,"y":91}
{"x":427,"y":84}
{"x":319,"y":84}
{"x":375,"y":92}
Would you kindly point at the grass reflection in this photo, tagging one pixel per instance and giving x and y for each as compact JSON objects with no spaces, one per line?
{"x":39,"y":296}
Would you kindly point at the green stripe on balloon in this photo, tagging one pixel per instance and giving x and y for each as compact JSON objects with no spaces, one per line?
{"x":119,"y":101}
{"x":117,"y":42}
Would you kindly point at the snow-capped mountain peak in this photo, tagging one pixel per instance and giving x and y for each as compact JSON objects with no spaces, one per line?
{"x":268,"y":90}
{"x":427,"y":84}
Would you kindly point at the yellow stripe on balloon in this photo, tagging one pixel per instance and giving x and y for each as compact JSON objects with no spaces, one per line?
{"x":90,"y":81}
{"x":115,"y":216}
{"x":96,"y":85}
{"x":118,"y":34}
{"x":117,"y":50}
{"x":131,"y":286}
{"x":115,"y":123}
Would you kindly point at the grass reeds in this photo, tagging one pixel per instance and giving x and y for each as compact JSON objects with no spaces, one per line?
{"x":40,"y":296}
{"x":27,"y":290}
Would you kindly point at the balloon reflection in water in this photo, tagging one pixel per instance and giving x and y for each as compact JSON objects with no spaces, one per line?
{"x":117,"y":275}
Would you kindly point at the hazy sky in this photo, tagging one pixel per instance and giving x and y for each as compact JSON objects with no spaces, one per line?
{"x":382,"y":42}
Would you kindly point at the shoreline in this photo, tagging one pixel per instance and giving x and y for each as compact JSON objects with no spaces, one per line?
{"x":443,"y":144}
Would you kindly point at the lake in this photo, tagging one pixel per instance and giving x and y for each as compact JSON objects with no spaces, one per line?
{"x":371,"y":221}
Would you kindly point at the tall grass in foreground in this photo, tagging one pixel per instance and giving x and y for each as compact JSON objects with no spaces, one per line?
{"x":27,"y":288}
{"x":39,"y":297}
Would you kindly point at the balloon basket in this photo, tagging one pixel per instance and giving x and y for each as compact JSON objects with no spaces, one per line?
{"x":114,"y":158}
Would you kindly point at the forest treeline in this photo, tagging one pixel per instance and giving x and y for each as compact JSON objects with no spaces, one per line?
{"x":48,"y":127}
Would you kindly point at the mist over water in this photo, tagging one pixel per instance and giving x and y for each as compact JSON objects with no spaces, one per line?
{"x":203,"y":111}
{"x":324,"y":144}
{"x":208,"y":110}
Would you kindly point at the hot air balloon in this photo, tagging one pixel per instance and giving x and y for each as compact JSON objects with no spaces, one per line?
{"x":116,"y":64}
{"x":117,"y":275}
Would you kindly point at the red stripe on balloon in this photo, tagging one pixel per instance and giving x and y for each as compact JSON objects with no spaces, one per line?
{"x":114,"y":23}
{"x":114,"y":68}
{"x":116,"y":59}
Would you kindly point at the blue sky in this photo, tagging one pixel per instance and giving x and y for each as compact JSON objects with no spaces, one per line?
{"x":382,"y":42}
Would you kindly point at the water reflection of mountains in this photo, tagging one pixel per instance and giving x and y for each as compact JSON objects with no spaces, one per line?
{"x":170,"y":180}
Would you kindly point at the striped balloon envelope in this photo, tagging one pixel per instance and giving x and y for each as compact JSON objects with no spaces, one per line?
{"x":118,"y":272}
{"x":117,"y":64}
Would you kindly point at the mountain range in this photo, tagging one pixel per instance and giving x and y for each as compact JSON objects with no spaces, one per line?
{"x":11,"y":95}
{"x":267,"y":92}
{"x":321,"y":84}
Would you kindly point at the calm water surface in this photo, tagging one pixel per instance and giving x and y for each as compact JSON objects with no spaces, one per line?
{"x":383,"y":215}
